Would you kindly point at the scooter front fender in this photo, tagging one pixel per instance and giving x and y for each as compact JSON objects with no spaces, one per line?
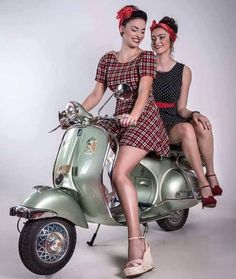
{"x":56,"y":200}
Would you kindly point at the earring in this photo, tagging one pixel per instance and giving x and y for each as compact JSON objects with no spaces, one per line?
{"x":121,"y":33}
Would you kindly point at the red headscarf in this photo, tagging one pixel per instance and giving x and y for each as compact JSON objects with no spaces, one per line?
{"x":166,"y":27}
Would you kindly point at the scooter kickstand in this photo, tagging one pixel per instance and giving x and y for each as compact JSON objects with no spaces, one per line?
{"x":90,"y":243}
{"x":145,"y":229}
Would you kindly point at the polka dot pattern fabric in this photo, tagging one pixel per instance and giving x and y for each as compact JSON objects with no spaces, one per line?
{"x":167,"y":89}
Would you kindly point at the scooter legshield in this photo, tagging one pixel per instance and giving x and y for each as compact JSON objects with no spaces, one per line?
{"x":79,"y":166}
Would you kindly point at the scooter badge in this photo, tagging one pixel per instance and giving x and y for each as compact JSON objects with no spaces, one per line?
{"x":63,"y":169}
{"x":91,"y":146}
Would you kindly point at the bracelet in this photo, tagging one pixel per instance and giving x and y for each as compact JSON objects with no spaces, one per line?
{"x":195,"y":111}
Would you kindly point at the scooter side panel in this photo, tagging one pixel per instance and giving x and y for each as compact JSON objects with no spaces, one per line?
{"x":148,"y":178}
{"x":60,"y":202}
{"x":145,"y":183}
{"x":174,"y":183}
{"x":158,"y":182}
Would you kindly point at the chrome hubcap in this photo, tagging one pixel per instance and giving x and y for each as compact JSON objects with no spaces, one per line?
{"x":52,"y":243}
{"x":176,"y":216}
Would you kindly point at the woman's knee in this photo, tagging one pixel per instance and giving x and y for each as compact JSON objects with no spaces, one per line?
{"x":201,"y":131}
{"x":187,"y":131}
{"x":118,"y":176}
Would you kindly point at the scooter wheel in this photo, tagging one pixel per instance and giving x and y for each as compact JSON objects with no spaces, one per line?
{"x":175,"y":221}
{"x":46,"y":245}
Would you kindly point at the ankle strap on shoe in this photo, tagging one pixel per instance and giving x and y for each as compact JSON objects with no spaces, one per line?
{"x":136,"y":237}
{"x":209,"y":175}
{"x":206,"y":186}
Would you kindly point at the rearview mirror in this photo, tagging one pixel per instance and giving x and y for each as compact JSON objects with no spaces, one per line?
{"x":123,"y":92}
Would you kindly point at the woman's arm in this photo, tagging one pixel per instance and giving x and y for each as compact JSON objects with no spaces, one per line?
{"x":144,"y":90}
{"x":183,"y":99}
{"x":182,"y":102}
{"x":94,"y":97}
{"x":143,"y":94}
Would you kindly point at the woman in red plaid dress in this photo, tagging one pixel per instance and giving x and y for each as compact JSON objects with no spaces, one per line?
{"x":141,"y":129}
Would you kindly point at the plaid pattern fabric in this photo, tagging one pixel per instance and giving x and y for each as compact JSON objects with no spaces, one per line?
{"x":149,"y":133}
{"x":112,"y":73}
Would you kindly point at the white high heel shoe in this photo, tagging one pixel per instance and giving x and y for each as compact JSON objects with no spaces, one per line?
{"x":139,"y":266}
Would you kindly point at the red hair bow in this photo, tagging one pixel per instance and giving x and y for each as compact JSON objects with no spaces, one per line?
{"x":154,"y":25}
{"x":125,"y":13}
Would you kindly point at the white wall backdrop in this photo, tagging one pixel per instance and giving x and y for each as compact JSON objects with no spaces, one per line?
{"x":49,"y":50}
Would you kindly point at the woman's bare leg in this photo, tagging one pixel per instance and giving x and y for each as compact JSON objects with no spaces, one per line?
{"x":206,"y":147}
{"x":184,"y":133}
{"x":127,"y":159}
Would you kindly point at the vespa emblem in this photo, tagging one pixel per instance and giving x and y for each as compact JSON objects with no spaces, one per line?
{"x":91,"y":146}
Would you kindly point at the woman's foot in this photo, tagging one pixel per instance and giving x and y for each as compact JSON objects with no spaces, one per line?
{"x":140,"y":260}
{"x":136,"y":248}
{"x":207,"y":200}
{"x":215,"y":187}
{"x":206,"y":191}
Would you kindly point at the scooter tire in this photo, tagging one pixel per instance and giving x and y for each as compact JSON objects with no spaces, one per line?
{"x":175,"y":222}
{"x":46,"y":245}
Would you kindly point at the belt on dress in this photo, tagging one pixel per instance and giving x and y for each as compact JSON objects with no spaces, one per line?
{"x":165,"y":105}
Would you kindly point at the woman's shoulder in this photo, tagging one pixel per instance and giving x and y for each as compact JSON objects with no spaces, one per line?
{"x":187,"y":74}
{"x":147,"y":56}
{"x":186,"y":69}
{"x":108,"y":55}
{"x":147,"y":53}
{"x":184,"y":66}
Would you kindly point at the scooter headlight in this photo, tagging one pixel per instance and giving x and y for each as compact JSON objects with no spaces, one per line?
{"x":72,"y":110}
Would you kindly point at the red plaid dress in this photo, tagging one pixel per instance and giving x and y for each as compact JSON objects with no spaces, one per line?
{"x":149,"y":133}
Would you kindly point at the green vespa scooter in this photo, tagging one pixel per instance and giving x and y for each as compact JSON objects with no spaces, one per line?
{"x":167,"y":188}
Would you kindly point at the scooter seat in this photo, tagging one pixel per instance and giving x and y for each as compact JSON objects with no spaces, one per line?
{"x":175,"y":150}
{"x":175,"y":147}
{"x":153,"y":155}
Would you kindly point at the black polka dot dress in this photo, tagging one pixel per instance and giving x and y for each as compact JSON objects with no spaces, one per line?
{"x":166,"y":91}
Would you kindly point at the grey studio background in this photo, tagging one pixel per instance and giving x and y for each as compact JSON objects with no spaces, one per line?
{"x":49,"y":50}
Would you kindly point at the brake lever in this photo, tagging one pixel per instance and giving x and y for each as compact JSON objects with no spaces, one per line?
{"x":54,"y":129}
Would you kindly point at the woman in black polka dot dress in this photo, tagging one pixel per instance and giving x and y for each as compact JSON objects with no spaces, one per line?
{"x":166,"y":90}
{"x":190,"y":128}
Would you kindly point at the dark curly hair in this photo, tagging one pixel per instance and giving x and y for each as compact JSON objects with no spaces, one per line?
{"x":170,"y":22}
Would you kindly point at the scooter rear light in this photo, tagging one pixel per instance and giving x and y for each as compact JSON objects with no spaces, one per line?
{"x":20,"y":211}
{"x":31,"y":213}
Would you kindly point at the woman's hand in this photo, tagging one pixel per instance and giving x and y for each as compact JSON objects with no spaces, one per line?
{"x":198,"y":117}
{"x":127,"y":120}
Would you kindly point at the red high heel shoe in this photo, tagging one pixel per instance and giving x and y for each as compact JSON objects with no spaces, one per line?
{"x":216,"y":189}
{"x":210,"y":201}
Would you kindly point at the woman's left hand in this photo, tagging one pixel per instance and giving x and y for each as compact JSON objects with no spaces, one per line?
{"x":198,"y":117}
{"x":127,"y":120}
